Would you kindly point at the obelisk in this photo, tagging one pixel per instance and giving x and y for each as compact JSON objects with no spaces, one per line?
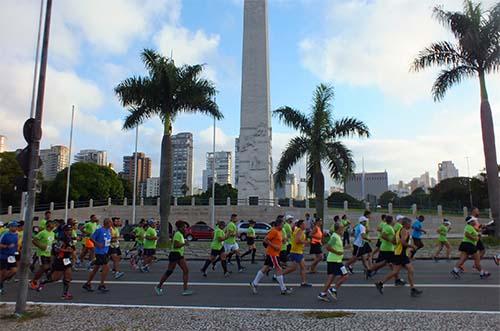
{"x":255,"y":160}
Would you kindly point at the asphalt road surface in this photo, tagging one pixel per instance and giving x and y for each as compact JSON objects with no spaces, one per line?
{"x":441,"y":291}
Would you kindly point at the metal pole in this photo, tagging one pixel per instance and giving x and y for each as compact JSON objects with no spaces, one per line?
{"x":22,"y":293}
{"x":35,"y":72}
{"x":134,"y":193}
{"x":213,"y":179}
{"x":470,"y":181}
{"x":69,"y":165}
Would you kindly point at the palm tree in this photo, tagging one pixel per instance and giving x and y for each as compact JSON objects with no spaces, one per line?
{"x":166,"y":91}
{"x":319,"y":141}
{"x":475,"y":53}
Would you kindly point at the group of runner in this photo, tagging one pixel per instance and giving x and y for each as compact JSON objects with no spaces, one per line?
{"x":398,"y":240}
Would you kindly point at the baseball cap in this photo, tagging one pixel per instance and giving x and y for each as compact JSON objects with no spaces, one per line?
{"x":13,"y":223}
{"x":68,"y":227}
{"x":289,"y":217}
{"x":363,"y":219}
{"x":151,"y":221}
{"x":399,"y":217}
{"x":1,"y":223}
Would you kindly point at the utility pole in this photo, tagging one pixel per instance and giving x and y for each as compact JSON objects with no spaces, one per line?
{"x":68,"y":175}
{"x":470,"y":183}
{"x":33,"y":135}
{"x":212,"y":218}
{"x":134,"y":192}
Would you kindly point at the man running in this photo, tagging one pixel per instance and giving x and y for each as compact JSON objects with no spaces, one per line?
{"x":88,"y":249}
{"x":8,"y":249}
{"x":43,"y":242}
{"x":150,"y":241}
{"x":176,"y":257}
{"x":316,"y":245}
{"x":114,"y":248}
{"x":252,"y":248}
{"x":467,"y":248}
{"x":358,"y":252}
{"x":230,"y":245}
{"x":335,"y":267}
{"x":347,"y":227}
{"x":298,"y":241}
{"x":416,"y":235}
{"x":286,"y":236}
{"x":478,"y":226}
{"x":43,"y":223}
{"x":442,"y":231}
{"x":61,"y":268}
{"x":217,"y":249}
{"x":401,"y":259}
{"x":273,"y":241}
{"x":101,"y":239}
{"x":379,"y":230}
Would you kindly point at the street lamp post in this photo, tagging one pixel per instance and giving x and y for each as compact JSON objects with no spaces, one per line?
{"x":68,"y":177}
{"x":134,"y":192}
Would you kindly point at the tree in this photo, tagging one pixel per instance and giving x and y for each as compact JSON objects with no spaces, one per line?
{"x":184,"y":189}
{"x":387,"y":197}
{"x":9,"y":172}
{"x":475,"y":53}
{"x":319,"y":141}
{"x":454,"y":193}
{"x":166,"y":92}
{"x":222,"y":192}
{"x":88,"y":181}
{"x":340,"y":197}
{"x":128,"y":192}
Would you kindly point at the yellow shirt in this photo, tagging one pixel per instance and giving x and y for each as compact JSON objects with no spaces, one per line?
{"x":297,"y":248}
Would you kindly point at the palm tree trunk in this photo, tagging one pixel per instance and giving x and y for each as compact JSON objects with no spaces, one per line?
{"x":319,"y":191}
{"x":165,"y":181}
{"x":490,"y":154}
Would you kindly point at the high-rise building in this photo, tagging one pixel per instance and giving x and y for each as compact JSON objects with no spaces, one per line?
{"x":2,"y":143}
{"x":363,"y":185}
{"x":446,"y":169}
{"x":152,"y":187}
{"x":143,"y":166}
{"x":236,"y":161}
{"x":223,"y":169}
{"x":92,"y":156}
{"x":255,"y":158}
{"x":54,"y":159}
{"x":182,"y":163}
{"x":286,"y":190}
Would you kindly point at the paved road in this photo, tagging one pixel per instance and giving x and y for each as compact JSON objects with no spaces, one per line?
{"x":441,"y":292}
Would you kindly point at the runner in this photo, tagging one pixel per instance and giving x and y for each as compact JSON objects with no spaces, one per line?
{"x":401,"y":259}
{"x":150,"y":241}
{"x":230,"y":245}
{"x":478,"y":226}
{"x":316,"y":242}
{"x":43,"y":242}
{"x":217,"y":249}
{"x":114,"y":248}
{"x":273,"y":241}
{"x":347,"y":227}
{"x":416,"y":235}
{"x":335,"y":267}
{"x":286,"y":236}
{"x":47,"y":218}
{"x":467,"y":248}
{"x":75,"y":238}
{"x":8,"y":248}
{"x":139,"y":232}
{"x":496,"y":258}
{"x":252,"y":248}
{"x":442,"y":231}
{"x":298,"y":240}
{"x":379,"y":230}
{"x":61,"y":268}
{"x":20,"y":234}
{"x":358,"y":252}
{"x":101,"y":239}
{"x":176,"y":257}
{"x":88,"y":249}
{"x":367,"y":249}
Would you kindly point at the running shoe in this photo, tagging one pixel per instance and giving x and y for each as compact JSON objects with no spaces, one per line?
{"x":287,"y":291}
{"x":33,"y":285}
{"x":158,"y":290}
{"x":67,"y":296}
{"x":227,"y":274}
{"x":240,"y":270}
{"x":455,"y":274}
{"x":119,"y":274}
{"x":40,"y":288}
{"x":2,"y":291}
{"x":333,"y":293}
{"x":380,"y":287}
{"x":204,"y":274}
{"x":275,"y":279}
{"x":484,"y":275}
{"x":87,"y":287}
{"x":461,"y":269}
{"x":399,"y":282}
{"x":415,"y":293}
{"x":305,"y":285}
{"x":187,"y":293}
{"x":368,"y":274}
{"x":253,"y":287}
{"x":102,"y":289}
{"x":496,"y":259}
{"x":323,"y":297}
{"x":213,"y":267}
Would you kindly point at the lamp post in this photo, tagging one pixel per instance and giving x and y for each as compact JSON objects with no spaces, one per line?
{"x":68,"y":177}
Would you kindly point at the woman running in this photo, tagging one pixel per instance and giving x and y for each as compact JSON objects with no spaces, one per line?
{"x":316,"y":249}
{"x":442,"y":231}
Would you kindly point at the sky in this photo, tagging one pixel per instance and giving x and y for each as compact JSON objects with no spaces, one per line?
{"x":363,"y":48}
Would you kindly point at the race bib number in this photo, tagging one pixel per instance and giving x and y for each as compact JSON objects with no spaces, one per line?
{"x":67,"y":261}
{"x":343,"y":269}
{"x":107,"y":242}
{"x":11,"y":259}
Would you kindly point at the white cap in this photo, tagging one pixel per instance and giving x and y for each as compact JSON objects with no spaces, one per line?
{"x":1,"y":223}
{"x":447,"y":222}
{"x":399,"y":217}
{"x":289,"y":217}
{"x":471,"y":219}
{"x":363,"y":219}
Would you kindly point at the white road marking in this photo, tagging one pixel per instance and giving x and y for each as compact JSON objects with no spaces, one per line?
{"x":215,"y":284}
{"x":259,"y":309}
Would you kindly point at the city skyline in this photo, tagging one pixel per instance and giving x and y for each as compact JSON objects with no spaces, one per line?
{"x":85,"y":63}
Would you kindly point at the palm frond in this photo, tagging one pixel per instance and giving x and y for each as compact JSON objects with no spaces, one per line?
{"x":136,"y":116}
{"x":458,"y":23}
{"x":293,"y":118}
{"x":491,"y":34}
{"x":349,"y":126}
{"x":294,"y":151}
{"x":340,"y":161}
{"x":323,"y":96}
{"x":438,"y":54}
{"x":152,"y":60}
{"x":132,"y":91}
{"x":448,"y":78}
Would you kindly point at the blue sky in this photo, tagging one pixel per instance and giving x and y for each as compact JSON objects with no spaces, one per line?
{"x":363,"y":48}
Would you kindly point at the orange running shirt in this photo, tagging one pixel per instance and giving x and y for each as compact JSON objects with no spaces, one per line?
{"x":274,"y":236}
{"x":317,"y":235}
